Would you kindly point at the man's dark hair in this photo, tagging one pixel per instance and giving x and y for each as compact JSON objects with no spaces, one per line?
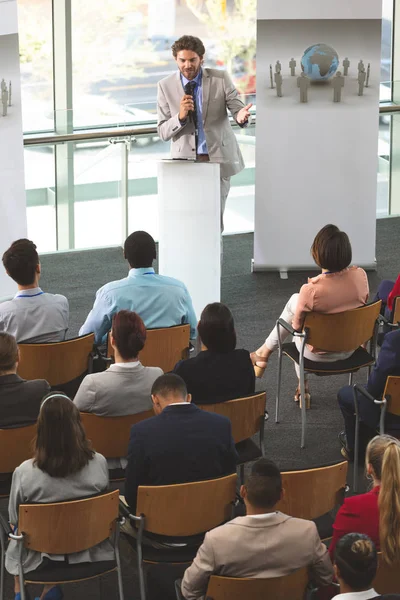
{"x":331,"y":249}
{"x":216,"y":328}
{"x":264,"y":484}
{"x":129,"y":333}
{"x":140,"y":250}
{"x":169,"y":384}
{"x":8,"y":351}
{"x":20,"y":261}
{"x":188,"y":42}
{"x":357,"y":561}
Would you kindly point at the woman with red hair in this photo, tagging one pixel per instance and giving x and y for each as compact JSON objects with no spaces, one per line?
{"x":125,"y":388}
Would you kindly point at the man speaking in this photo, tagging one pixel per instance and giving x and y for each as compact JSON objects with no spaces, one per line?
{"x":191,"y":109}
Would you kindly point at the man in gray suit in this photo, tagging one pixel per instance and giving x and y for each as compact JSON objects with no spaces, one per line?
{"x":264,"y":544}
{"x":192,"y":112}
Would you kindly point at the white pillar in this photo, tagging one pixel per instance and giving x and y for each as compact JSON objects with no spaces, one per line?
{"x":12,"y":182}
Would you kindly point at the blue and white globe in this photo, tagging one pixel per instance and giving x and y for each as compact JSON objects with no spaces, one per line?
{"x":320,"y":62}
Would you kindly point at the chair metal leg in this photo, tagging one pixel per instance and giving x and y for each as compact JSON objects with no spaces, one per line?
{"x":142,"y":586}
{"x":3,"y":554}
{"x":303,"y":395}
{"x":356,"y":442}
{"x":278,"y":389}
{"x":118,"y":561}
{"x":351,"y":379}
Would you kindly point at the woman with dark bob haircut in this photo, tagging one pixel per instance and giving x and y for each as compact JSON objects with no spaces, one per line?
{"x":338,"y":288}
{"x":63,"y":467}
{"x":219,"y":372}
{"x":356,"y":563}
{"x":125,"y":388}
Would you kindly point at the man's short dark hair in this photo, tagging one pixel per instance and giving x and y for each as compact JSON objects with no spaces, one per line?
{"x":20,"y":261}
{"x":216,"y":328}
{"x":140,"y":249}
{"x":264,"y":484}
{"x":331,"y":249}
{"x":357,"y":560}
{"x":169,"y":384}
{"x":188,"y":42}
{"x":8,"y":351}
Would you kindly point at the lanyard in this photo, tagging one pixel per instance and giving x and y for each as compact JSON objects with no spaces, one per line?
{"x":29,"y":295}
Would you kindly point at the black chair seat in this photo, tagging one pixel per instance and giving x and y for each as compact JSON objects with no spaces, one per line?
{"x":5,"y":484}
{"x":360,"y":358}
{"x":167,"y":554}
{"x":247,"y":451}
{"x":324,"y":525}
{"x":116,"y":474}
{"x":59,"y":572}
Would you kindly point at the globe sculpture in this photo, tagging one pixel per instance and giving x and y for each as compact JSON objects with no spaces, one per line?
{"x":320,"y":62}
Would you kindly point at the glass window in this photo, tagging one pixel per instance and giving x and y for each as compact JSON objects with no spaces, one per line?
{"x":387,"y":41}
{"x":122,"y":50}
{"x":36,"y":55}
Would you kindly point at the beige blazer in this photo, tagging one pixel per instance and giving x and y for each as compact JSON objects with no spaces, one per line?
{"x":269,"y":546}
{"x":219,"y":94}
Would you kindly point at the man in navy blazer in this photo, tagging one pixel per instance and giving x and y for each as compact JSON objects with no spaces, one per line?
{"x":181,"y":444}
{"x":388,"y":363}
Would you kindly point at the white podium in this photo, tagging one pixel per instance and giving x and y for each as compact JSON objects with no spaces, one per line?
{"x":190,"y":231}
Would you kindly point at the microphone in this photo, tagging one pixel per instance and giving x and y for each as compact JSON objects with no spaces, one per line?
{"x":189,"y":90}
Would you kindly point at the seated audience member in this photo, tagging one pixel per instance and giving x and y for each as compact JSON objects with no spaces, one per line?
{"x":264,"y":543}
{"x":32,"y":316}
{"x":160,"y":301}
{"x":218,"y":372}
{"x":388,"y":363}
{"x":19,"y":399}
{"x":376,"y":513}
{"x":181,"y":444}
{"x":125,"y":388}
{"x":64,"y":467}
{"x":338,"y":288}
{"x":356,"y":563}
{"x":387,"y":292}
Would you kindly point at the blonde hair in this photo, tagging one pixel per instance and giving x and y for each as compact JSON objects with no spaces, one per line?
{"x":383,"y":454}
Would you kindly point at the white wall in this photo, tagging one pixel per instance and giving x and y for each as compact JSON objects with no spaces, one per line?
{"x":319,"y":9}
{"x":316,"y":163}
{"x":12,"y":182}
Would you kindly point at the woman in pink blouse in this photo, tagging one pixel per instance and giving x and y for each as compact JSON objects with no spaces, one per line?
{"x":338,"y":288}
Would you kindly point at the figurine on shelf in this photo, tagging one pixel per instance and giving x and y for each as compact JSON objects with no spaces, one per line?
{"x":271,"y":77}
{"x":303,"y":83}
{"x":337,"y":84}
{"x":279,"y":81}
{"x":292,"y":67}
{"x":346,"y":65}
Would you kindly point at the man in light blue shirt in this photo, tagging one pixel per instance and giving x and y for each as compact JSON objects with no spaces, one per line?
{"x":160,"y":301}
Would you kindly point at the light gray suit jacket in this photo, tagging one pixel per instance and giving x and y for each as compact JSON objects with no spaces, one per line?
{"x":118,"y":391}
{"x":270,"y":546}
{"x":219,"y":93}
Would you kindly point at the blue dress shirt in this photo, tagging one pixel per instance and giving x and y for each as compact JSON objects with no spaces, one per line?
{"x":160,"y":301}
{"x":201,"y":138}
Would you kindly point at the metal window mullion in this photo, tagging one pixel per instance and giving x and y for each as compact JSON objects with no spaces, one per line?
{"x":63,"y":123}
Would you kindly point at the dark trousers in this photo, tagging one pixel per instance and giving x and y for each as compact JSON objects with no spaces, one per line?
{"x":384,"y":289}
{"x":369,"y":417}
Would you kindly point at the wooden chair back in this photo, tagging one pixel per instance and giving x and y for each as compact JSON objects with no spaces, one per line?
{"x":392,"y":395}
{"x":58,"y":363}
{"x":342,"y":332}
{"x":291,"y":586}
{"x":387,"y":580}
{"x":16,"y":445}
{"x":186,"y":509}
{"x":110,"y":435}
{"x":67,"y":527}
{"x":245,"y":414}
{"x":311,"y":493}
{"x":163,"y":348}
{"x":396,"y":310}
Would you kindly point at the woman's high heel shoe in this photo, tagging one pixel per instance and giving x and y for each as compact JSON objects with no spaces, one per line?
{"x":297,"y":398}
{"x":255,"y":358}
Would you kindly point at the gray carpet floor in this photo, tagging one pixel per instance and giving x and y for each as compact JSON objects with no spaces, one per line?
{"x":255,"y":300}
